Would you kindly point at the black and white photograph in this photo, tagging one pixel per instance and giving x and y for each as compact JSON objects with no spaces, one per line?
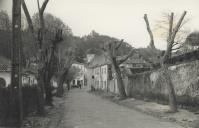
{"x":99,"y":63}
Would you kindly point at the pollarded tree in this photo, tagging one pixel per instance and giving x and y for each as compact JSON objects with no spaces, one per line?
{"x":45,"y":25}
{"x":110,"y":50}
{"x":38,"y":37}
{"x":64,"y":65}
{"x":172,"y":31}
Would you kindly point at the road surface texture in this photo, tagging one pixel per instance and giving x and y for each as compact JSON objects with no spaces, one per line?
{"x":85,"y":110}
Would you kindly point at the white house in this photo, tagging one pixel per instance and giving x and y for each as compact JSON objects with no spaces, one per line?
{"x":5,"y":75}
{"x":99,"y":70}
{"x":28,"y":76}
{"x":80,"y":78}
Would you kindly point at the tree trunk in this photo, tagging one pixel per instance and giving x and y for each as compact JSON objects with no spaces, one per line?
{"x":48,"y":91}
{"x":171,"y":91}
{"x":68,"y":85}
{"x":120,"y":83}
{"x":60,"y":89}
{"x":40,"y":95}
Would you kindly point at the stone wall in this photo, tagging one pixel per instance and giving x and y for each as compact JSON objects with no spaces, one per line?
{"x":185,"y":78}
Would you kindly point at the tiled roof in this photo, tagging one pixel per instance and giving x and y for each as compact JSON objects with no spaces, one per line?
{"x":4,"y":67}
{"x":102,"y":60}
{"x":5,"y":64}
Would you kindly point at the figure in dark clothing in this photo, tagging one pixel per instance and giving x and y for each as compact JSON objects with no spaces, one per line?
{"x":80,"y":86}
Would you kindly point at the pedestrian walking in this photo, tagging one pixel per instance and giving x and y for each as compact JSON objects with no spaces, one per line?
{"x":80,"y":86}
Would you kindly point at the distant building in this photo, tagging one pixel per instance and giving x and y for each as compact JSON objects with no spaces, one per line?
{"x":29,"y":77}
{"x":80,"y":78}
{"x":99,"y":72}
{"x":102,"y":75}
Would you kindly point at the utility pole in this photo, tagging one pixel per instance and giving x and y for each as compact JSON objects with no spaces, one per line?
{"x":16,"y":76}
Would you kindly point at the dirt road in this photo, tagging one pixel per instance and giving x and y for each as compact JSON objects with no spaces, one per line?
{"x":84,"y":110}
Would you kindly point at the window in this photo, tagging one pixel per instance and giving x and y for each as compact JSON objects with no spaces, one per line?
{"x":105,"y":84}
{"x":102,"y":84}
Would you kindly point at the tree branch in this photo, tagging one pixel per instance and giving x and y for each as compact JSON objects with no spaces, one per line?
{"x":126,"y":57}
{"x":28,"y":17}
{"x":149,"y":31}
{"x":177,"y":26}
{"x":119,"y":44}
{"x":172,"y":35}
{"x":44,"y":6}
{"x":38,"y":5}
{"x":174,"y":44}
{"x":173,"y":49}
{"x":170,"y":26}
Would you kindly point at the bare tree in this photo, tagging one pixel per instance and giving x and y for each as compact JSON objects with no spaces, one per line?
{"x":170,"y":44}
{"x":151,"y":45}
{"x":49,"y":68}
{"x":64,"y":66}
{"x":41,"y":35}
{"x":111,"y":53}
{"x":170,"y":41}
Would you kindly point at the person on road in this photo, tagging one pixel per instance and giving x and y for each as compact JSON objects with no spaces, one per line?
{"x":80,"y":86}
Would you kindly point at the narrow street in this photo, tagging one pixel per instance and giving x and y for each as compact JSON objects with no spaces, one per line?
{"x":84,"y":110}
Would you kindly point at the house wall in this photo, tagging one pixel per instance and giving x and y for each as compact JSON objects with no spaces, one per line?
{"x":100,"y":74}
{"x":30,"y":79}
{"x":89,"y":79}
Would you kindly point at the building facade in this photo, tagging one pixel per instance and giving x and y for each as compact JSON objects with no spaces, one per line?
{"x":28,"y":76}
{"x":103,"y":76}
{"x":80,"y":78}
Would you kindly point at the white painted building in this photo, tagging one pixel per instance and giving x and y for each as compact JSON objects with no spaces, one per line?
{"x":28,"y":76}
{"x":99,"y":74}
{"x":80,"y":78}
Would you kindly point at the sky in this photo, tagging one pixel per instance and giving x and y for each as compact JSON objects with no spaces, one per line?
{"x":122,"y":19}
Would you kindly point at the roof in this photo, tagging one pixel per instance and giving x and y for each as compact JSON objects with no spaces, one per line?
{"x":5,"y":64}
{"x":134,"y":60}
{"x":99,"y":60}
{"x":29,"y":71}
{"x":192,"y":39}
{"x":78,"y":63}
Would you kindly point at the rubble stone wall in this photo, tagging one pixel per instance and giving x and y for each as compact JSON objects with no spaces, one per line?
{"x":185,"y":78}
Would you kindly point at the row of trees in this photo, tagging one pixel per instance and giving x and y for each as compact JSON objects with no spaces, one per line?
{"x":54,"y":56}
{"x":46,"y":43}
